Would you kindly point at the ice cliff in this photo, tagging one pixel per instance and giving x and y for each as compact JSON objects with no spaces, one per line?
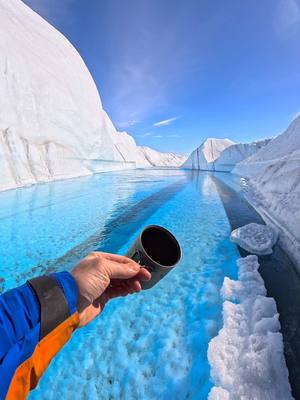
{"x":273,"y":175}
{"x":221,"y":154}
{"x":52,"y":124}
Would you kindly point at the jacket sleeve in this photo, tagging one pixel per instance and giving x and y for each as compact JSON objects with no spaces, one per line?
{"x":36,"y":320}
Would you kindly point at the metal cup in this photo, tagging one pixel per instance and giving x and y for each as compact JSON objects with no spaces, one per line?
{"x":157,"y":250}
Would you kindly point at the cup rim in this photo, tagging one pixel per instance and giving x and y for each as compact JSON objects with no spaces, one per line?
{"x":170,"y":234}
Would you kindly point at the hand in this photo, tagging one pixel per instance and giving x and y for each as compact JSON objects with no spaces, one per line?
{"x":103,"y":276}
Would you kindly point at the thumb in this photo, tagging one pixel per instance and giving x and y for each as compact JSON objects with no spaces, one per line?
{"x":123,"y":270}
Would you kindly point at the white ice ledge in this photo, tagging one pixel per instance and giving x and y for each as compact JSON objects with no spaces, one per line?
{"x":246,"y":358}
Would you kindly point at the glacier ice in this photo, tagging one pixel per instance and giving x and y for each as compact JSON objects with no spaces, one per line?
{"x":255,"y":238}
{"x":221,"y":154}
{"x":246,"y":357}
{"x":52,"y":124}
{"x":144,"y":157}
{"x":273,"y":176}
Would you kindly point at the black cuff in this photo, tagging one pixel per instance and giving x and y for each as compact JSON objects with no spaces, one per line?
{"x":54,"y":307}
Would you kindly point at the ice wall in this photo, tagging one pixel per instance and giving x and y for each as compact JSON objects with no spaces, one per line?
{"x":273,"y":176}
{"x":221,"y":154}
{"x":160,"y":159}
{"x":52,"y":124}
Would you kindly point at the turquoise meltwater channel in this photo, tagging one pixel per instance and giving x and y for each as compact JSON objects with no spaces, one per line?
{"x":152,"y":345}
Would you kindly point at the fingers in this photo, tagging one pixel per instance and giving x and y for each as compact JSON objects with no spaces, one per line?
{"x":143,"y":275}
{"x":117,"y":258}
{"x":118,"y":270}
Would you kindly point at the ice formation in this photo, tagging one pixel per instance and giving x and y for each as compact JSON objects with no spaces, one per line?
{"x":273,"y":175}
{"x":159,"y":159}
{"x":246,"y":357}
{"x":52,"y":124}
{"x":221,"y":154}
{"x":144,"y":157}
{"x":255,"y":238}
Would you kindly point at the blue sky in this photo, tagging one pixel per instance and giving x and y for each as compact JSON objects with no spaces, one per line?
{"x":174,"y":72}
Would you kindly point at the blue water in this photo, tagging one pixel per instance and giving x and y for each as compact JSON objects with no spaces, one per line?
{"x":152,"y":345}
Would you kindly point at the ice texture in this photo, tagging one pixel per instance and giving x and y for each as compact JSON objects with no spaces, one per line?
{"x":221,"y":154}
{"x":255,"y":238}
{"x":246,"y":357}
{"x":144,"y":157}
{"x":273,"y":175}
{"x":52,"y":124}
{"x":161,"y":159}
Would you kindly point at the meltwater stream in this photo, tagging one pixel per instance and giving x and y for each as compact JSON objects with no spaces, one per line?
{"x":147,"y":346}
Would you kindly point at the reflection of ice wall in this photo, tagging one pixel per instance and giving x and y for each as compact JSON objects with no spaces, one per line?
{"x":221,"y":154}
{"x":274,"y":178}
{"x":246,"y":357}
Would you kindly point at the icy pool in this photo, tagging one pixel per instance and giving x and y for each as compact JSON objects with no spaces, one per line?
{"x":148,"y":346}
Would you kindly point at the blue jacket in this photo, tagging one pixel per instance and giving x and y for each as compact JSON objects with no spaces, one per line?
{"x":36,"y":320}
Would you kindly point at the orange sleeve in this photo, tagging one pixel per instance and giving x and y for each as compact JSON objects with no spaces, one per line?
{"x":30,"y":371}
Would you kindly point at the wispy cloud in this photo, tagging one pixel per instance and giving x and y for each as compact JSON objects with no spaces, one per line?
{"x":151,"y":58}
{"x":286,"y":17}
{"x":166,"y":121}
{"x":157,"y":136}
{"x":146,"y":134}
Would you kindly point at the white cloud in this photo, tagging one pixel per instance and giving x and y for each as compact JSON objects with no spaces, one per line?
{"x":166,"y":121}
{"x":157,"y":136}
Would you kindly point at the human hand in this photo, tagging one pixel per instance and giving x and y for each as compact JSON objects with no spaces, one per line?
{"x":103,"y":276}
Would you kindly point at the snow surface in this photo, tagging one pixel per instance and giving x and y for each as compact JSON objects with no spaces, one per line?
{"x":255,"y":238}
{"x":221,"y":154}
{"x":273,"y":175}
{"x":246,"y":358}
{"x":52,"y":124}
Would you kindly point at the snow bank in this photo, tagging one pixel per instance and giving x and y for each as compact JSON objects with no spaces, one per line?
{"x":52,"y":124}
{"x":274,"y":181}
{"x":246,"y":357}
{"x":221,"y":154}
{"x":255,"y":238}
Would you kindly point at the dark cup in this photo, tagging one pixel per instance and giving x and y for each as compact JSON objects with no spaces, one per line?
{"x":157,"y":250}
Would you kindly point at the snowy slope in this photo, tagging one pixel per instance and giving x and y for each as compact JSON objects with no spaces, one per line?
{"x":274,"y":180}
{"x":159,"y":159}
{"x":222,"y":154}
